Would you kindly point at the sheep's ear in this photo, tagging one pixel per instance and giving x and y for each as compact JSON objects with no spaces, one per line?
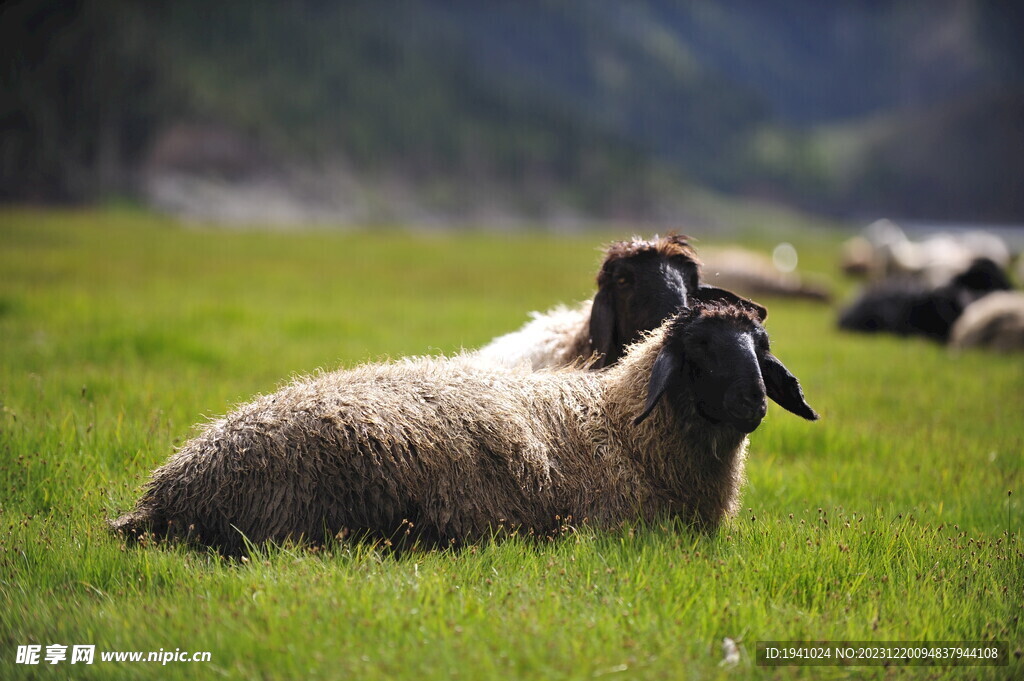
{"x":784,"y":389}
{"x":666,"y":364}
{"x":602,"y":328}
{"x":713,"y":294}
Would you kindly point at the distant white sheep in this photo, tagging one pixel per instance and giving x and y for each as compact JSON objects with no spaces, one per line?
{"x":884,"y":251}
{"x":995,"y":321}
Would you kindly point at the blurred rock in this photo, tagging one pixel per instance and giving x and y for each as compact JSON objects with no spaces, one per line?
{"x":755,"y":274}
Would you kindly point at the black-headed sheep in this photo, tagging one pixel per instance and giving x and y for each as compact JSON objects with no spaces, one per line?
{"x":640,"y":284}
{"x":995,"y":322}
{"x":910,"y":307}
{"x":448,"y":450}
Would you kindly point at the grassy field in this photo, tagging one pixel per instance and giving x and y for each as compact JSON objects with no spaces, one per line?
{"x":890,"y":519}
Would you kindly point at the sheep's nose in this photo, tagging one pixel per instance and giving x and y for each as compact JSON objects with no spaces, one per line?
{"x":748,"y":403}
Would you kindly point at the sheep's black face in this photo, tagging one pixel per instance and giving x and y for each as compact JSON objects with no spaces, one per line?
{"x":636,"y":294}
{"x":722,"y":373}
{"x":722,"y":365}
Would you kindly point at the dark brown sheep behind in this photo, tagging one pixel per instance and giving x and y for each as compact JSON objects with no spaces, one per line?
{"x":641,"y":283}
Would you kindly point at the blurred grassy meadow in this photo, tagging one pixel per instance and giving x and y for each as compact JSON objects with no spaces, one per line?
{"x":890,"y":519}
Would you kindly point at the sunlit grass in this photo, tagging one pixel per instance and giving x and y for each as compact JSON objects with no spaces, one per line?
{"x":888,"y":520}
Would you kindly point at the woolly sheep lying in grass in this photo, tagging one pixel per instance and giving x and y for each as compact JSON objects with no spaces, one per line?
{"x":448,"y":450}
{"x":995,"y":321}
{"x":640,"y":284}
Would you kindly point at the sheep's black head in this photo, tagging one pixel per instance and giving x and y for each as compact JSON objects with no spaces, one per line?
{"x":718,"y":359}
{"x":983,"y":276}
{"x":640,"y":285}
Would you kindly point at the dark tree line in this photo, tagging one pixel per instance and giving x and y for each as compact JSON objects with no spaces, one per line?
{"x":607,"y":103}
{"x":83,"y":90}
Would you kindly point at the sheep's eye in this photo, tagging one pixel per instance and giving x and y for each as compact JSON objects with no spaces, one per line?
{"x":622,"y":280}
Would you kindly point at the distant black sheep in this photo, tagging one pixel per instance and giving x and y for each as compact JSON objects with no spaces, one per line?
{"x":912,"y":308}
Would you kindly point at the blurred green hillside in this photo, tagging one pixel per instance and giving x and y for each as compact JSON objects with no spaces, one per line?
{"x":597,"y":108}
